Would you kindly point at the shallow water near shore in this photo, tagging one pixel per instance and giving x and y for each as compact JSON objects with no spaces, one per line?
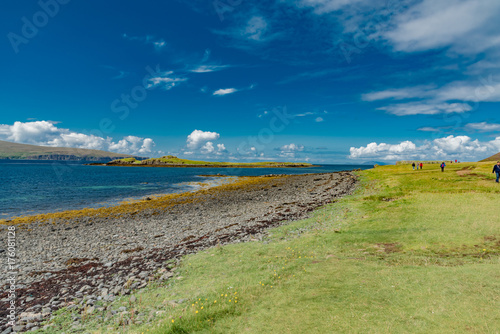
{"x":31,"y":187}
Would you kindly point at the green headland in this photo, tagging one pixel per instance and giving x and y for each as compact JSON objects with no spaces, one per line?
{"x":172,"y":161}
{"x":16,"y":151}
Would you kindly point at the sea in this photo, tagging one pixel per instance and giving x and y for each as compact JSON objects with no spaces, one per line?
{"x":30,"y":187}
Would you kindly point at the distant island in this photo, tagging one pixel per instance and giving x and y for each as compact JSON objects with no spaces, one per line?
{"x":15,"y":151}
{"x":172,"y":161}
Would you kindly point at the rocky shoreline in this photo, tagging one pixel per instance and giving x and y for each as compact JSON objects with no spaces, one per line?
{"x":84,"y":262}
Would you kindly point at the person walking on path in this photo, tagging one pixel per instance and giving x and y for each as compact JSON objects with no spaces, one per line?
{"x":443,"y":165}
{"x":496,"y":169}
{"x":421,"y":165}
{"x":413,"y":165}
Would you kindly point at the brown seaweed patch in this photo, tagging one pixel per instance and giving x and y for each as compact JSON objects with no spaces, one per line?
{"x":137,"y":249}
{"x":77,"y":260}
{"x":160,"y":204}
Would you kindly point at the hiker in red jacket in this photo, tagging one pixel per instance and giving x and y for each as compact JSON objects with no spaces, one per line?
{"x":421,"y":165}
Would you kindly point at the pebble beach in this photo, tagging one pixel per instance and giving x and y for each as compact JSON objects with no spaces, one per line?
{"x":75,"y":258}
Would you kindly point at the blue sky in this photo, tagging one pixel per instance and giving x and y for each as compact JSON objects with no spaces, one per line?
{"x":327,"y":81}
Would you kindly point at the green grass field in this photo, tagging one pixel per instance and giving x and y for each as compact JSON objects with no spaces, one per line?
{"x":410,"y":252}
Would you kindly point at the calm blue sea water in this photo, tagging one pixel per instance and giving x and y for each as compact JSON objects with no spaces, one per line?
{"x":29,"y":187}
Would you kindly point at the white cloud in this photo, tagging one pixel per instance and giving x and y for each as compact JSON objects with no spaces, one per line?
{"x":81,"y":140}
{"x":483,"y":127}
{"x":165,"y":80}
{"x":252,"y":33}
{"x":406,"y":109}
{"x":221,"y":148}
{"x":376,"y":150}
{"x":428,"y":129}
{"x":451,"y":147}
{"x":226,"y":91}
{"x":133,"y":144}
{"x":460,"y":27}
{"x":319,"y":119}
{"x":398,"y":94}
{"x":30,"y":132}
{"x":158,"y":43}
{"x":466,"y":26}
{"x":326,"y":6}
{"x":482,"y":65}
{"x":292,"y":148}
{"x":45,"y":133}
{"x":435,"y":99}
{"x":483,"y":91}
{"x":255,"y":28}
{"x":202,"y":142}
{"x":309,"y":113}
{"x":198,"y":139}
{"x":208,"y":148}
{"x":208,"y":68}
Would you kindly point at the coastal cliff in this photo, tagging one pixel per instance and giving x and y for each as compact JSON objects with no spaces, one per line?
{"x":15,"y":151}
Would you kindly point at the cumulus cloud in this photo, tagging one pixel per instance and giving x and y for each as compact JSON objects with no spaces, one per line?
{"x":451,"y":147}
{"x":319,"y":119}
{"x":221,"y":148}
{"x":199,"y":138}
{"x":208,"y":148}
{"x":290,"y":150}
{"x":133,"y":144}
{"x":46,"y":133}
{"x":203,"y":142}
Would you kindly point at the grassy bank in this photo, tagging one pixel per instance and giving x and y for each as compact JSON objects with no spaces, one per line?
{"x":411,"y":251}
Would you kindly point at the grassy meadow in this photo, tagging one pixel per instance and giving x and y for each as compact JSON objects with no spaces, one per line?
{"x":409,"y":252}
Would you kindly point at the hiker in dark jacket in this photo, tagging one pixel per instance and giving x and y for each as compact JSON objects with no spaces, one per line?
{"x":496,"y":169}
{"x":443,"y":165}
{"x":413,"y":165}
